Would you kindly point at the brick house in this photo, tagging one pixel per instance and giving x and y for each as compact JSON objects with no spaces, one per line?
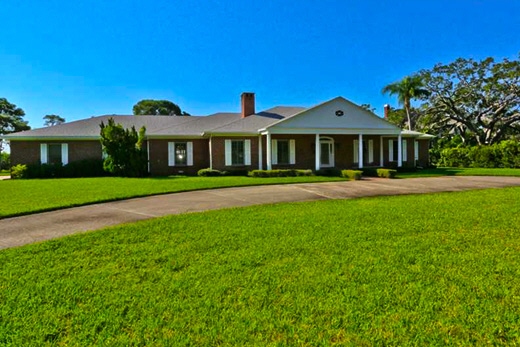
{"x":334,"y":134}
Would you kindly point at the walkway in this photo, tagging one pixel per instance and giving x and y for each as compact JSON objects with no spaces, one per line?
{"x":19,"y":231}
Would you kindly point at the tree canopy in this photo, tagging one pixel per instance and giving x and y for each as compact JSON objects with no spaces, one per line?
{"x":476,"y":100}
{"x":157,"y":107}
{"x":11,"y":119}
{"x":53,"y":119}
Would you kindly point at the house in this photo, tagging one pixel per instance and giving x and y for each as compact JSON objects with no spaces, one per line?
{"x":333,"y":134}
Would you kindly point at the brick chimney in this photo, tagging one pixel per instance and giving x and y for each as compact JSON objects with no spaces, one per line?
{"x":387,"y":109}
{"x":248,"y":104}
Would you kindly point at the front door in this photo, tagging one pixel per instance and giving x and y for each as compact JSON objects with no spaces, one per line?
{"x":326,"y":153}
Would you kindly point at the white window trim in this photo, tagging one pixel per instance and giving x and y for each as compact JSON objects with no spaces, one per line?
{"x":416,"y":150}
{"x":292,"y":151}
{"x":44,"y":153}
{"x":228,"y":152}
{"x":189,"y":153}
{"x":356,"y":151}
{"x":405,"y":150}
{"x":370,"y":151}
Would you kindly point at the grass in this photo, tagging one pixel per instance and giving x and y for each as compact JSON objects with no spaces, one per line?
{"x":374,"y":271}
{"x":5,"y":173}
{"x":30,"y":196}
{"x":460,"y":172}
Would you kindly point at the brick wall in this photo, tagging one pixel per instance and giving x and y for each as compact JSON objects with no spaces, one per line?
{"x":218,"y":148}
{"x":28,"y":152}
{"x":159,"y":158}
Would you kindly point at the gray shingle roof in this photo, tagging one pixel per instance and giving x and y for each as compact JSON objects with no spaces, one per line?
{"x":164,"y":126}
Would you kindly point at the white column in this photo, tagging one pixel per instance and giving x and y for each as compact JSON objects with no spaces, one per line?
{"x":399,"y":151}
{"x":268,"y":153}
{"x":381,"y":158}
{"x":317,"y":151}
{"x":260,"y":152}
{"x":360,"y":151}
{"x":210,"y":155}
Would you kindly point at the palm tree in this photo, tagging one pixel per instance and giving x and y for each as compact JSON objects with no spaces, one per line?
{"x":410,"y":87}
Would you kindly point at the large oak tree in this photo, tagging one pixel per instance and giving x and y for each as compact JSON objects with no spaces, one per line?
{"x":476,"y":100}
{"x":157,"y":107}
{"x":11,"y":119}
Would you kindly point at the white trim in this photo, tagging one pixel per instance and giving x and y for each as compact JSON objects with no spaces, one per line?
{"x":330,"y":142}
{"x":171,"y":153}
{"x":416,"y":150}
{"x":356,"y":151}
{"x":370,"y":151}
{"x":274,"y":152}
{"x":391,"y":150}
{"x":189,"y":149}
{"x":317,"y":152}
{"x":331,"y":131}
{"x":260,"y":152}
{"x":247,"y":152}
{"x":210,"y":154}
{"x":360,"y":149}
{"x":292,"y":152}
{"x":43,"y":153}
{"x":268,"y":152}
{"x":64,"y":153}
{"x":228,"y":152}
{"x":399,"y":151}
{"x":405,"y":149}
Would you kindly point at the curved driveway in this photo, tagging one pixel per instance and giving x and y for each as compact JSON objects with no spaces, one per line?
{"x":18,"y":231}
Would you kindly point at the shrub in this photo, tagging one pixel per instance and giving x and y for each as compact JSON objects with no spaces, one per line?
{"x":510,"y":153}
{"x":19,"y":171}
{"x":209,"y":173}
{"x":237,"y":172}
{"x":504,"y":154}
{"x":386,"y":173}
{"x":279,"y":173}
{"x":331,"y":172}
{"x":370,"y":172}
{"x":352,"y":174}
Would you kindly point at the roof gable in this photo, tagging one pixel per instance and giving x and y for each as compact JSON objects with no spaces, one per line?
{"x":338,"y":113}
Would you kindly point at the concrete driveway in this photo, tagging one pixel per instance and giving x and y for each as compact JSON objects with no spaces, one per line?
{"x":22,"y":230}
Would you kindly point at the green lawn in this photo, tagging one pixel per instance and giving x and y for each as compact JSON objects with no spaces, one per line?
{"x":445,"y":171}
{"x":409,"y":270}
{"x":29,"y":196}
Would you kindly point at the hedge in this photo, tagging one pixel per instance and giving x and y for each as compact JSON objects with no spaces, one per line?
{"x":386,"y":173}
{"x":505,"y":154}
{"x":81,"y":168}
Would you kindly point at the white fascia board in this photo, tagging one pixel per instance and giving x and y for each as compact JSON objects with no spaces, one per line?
{"x":233,"y":134}
{"x":171,"y":137}
{"x":334,"y":131}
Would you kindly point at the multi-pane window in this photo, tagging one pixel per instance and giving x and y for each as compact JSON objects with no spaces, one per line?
{"x":237,"y":152}
{"x":181,"y":153}
{"x":395,"y":150}
{"x":283,"y":152}
{"x":54,"y":153}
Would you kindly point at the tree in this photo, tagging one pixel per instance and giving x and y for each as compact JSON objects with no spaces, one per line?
{"x":477,"y":100}
{"x":123,"y":149}
{"x":11,"y":119}
{"x":368,"y":107}
{"x":409,"y":88}
{"x":158,"y":107}
{"x":53,"y":119}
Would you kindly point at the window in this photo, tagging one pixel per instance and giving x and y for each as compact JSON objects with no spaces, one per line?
{"x":238,"y":152}
{"x":368,"y":151}
{"x":283,"y":152}
{"x":393,"y":150}
{"x":54,"y":153}
{"x":180,"y":153}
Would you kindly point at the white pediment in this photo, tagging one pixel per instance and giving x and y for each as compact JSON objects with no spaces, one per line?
{"x":338,"y":116}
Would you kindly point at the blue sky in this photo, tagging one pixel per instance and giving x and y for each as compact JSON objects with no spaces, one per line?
{"x":79,"y":59}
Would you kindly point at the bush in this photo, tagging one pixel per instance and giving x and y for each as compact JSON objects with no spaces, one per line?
{"x":279,"y":173}
{"x":238,"y":172}
{"x":352,"y":174}
{"x":19,"y":171}
{"x":209,"y":173}
{"x":5,"y":161}
{"x":331,"y":172}
{"x":386,"y":173}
